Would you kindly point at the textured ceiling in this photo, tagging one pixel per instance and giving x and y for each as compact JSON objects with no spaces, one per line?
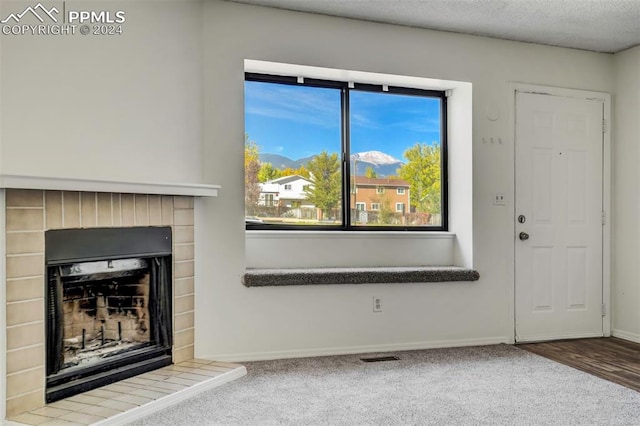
{"x":597,"y":25}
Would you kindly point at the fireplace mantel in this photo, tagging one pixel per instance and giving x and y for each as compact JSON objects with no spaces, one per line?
{"x":93,"y":185}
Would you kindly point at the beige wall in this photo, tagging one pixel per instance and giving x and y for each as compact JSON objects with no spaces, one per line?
{"x":123,"y":107}
{"x":249,"y":323}
{"x":625,"y":291}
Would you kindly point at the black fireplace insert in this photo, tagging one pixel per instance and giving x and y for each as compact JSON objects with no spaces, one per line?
{"x":109,"y":306}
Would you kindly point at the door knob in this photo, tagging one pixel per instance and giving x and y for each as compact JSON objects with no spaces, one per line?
{"x":523,"y":236}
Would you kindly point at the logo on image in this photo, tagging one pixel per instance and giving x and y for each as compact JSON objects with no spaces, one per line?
{"x":41,"y":20}
{"x":16,"y":17}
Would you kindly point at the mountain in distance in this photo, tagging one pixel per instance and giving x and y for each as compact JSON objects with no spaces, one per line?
{"x":383,"y":164}
{"x":281,"y":162}
{"x":375,"y":157}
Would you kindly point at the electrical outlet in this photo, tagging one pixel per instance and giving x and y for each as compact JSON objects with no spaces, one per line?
{"x":377,"y":304}
{"x":499,"y":200}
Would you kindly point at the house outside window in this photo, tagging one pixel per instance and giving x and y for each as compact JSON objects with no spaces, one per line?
{"x":346,"y":160}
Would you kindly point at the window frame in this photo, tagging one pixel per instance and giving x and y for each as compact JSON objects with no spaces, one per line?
{"x":345,"y":88}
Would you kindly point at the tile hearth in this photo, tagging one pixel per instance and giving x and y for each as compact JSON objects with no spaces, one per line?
{"x":133,"y":398}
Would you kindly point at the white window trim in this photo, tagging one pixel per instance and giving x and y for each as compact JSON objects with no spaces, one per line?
{"x":460,"y":178}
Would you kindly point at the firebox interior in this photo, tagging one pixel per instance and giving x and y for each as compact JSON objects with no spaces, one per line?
{"x":108,"y":306}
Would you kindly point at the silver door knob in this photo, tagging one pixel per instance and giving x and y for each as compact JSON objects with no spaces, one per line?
{"x":523,"y":236}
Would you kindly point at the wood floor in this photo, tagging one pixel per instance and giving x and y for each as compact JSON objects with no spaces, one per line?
{"x":609,"y":358}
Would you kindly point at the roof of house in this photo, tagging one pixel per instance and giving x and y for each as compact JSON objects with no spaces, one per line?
{"x":269,"y":187}
{"x":287,"y":179}
{"x":367,"y":181}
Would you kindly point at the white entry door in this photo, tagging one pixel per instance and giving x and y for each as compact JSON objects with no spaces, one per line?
{"x":558,"y":210}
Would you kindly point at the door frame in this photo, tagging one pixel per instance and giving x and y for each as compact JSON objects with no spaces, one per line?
{"x":514,"y":88}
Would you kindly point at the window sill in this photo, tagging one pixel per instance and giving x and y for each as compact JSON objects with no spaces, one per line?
{"x":360,"y":275}
{"x":297,"y":234}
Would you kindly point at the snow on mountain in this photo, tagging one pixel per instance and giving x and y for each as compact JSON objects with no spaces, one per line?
{"x":375,"y":157}
{"x":382,"y":164}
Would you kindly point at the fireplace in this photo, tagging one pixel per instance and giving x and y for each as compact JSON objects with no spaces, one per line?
{"x":30,"y":214}
{"x":108,"y":303}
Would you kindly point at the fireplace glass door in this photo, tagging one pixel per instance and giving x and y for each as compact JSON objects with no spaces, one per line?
{"x":108,"y":306}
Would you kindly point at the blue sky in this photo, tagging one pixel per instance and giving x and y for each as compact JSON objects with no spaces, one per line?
{"x":301,"y":121}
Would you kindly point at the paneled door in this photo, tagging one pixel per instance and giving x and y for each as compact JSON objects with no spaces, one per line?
{"x":559,"y":217}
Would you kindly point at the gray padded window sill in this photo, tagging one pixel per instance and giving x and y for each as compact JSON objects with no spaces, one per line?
{"x":356,"y":275}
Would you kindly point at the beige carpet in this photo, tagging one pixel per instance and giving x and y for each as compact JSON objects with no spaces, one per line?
{"x":491,"y":385}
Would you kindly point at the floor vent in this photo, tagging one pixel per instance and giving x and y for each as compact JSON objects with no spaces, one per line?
{"x":380,"y":359}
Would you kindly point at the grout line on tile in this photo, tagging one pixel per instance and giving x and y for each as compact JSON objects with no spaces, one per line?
{"x":36,"y":345}
{"x":26,"y":231}
{"x":25,"y":278}
{"x":24,"y":208}
{"x":33,"y":253}
{"x":25,"y":323}
{"x":17,"y":302}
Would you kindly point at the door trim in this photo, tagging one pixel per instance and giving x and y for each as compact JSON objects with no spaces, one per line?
{"x":515,"y":87}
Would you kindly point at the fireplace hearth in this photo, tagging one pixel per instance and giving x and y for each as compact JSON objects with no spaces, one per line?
{"x":108,"y":306}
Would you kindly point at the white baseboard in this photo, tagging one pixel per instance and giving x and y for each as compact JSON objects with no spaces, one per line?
{"x":548,"y":338}
{"x":347,"y":350}
{"x":633,"y":337}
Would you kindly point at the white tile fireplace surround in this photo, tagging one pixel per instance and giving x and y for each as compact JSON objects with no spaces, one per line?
{"x":30,"y":212}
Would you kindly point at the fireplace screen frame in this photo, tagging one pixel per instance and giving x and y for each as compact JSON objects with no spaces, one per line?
{"x":65,"y":247}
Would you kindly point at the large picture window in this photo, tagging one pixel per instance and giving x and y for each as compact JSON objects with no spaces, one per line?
{"x":336,"y":155}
